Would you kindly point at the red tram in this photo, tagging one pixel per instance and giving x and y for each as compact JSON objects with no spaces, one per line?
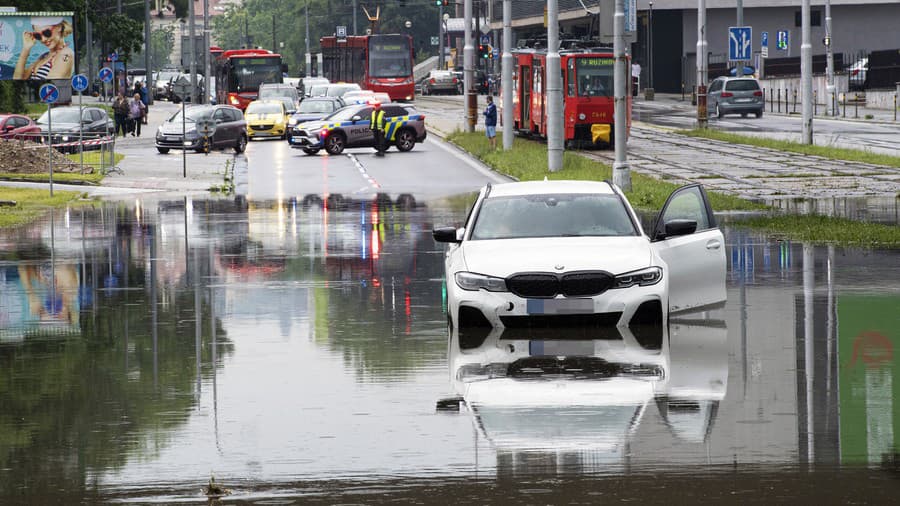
{"x":379,"y":62}
{"x":587,"y":77}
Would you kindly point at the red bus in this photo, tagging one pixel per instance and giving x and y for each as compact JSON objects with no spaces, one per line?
{"x":382,"y":62}
{"x":587,"y":94}
{"x":239,"y":72}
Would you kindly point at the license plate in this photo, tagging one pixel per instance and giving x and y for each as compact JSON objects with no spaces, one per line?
{"x":170,"y":138}
{"x":743,"y":100}
{"x":560,"y":348}
{"x":560,"y":306}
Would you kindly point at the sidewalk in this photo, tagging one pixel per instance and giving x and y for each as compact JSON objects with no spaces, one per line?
{"x":145,"y":168}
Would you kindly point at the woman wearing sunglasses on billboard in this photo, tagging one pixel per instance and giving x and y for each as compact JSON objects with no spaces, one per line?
{"x":59,"y":59}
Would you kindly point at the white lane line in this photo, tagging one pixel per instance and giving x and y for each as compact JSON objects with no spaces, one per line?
{"x":468,"y":160}
{"x":362,"y":171}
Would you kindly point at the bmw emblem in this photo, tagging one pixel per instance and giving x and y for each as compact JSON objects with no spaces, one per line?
{"x":559,"y":267}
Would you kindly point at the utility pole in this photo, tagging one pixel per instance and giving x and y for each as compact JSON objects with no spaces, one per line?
{"x":355,"y":8}
{"x":207,"y":65}
{"x":193,"y":27}
{"x":621,"y":170}
{"x":831,"y":107}
{"x":274,"y":38}
{"x":702,"y":60}
{"x":506,"y":71}
{"x":441,"y":37}
{"x":469,"y":69}
{"x":89,"y":35}
{"x":147,"y":50}
{"x":806,"y":76}
{"x":308,"y":58}
{"x":555,"y":134}
{"x":740,"y":22}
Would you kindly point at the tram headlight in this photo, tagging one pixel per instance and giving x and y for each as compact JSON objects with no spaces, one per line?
{"x":582,"y":117}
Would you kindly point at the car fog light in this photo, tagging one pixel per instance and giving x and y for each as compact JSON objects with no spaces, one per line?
{"x":187,"y":143}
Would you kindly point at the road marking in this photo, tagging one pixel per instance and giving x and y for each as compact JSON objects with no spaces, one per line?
{"x":362,"y":171}
{"x":465,"y":158}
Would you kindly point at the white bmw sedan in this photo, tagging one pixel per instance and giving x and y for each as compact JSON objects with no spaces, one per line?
{"x":573,"y":253}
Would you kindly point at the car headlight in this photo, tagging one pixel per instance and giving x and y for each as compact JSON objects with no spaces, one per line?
{"x":582,"y":117}
{"x":473,"y":281}
{"x":292,"y":122}
{"x":642,"y":277}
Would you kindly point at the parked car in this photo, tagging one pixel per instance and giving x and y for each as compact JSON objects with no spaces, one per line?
{"x":735,"y":95}
{"x":440,"y":81}
{"x":69,"y":123}
{"x":313,"y":109}
{"x":17,"y":126}
{"x":231,"y":129}
{"x":338,"y":89}
{"x":266,"y":118}
{"x":269,"y":91}
{"x":857,"y":74}
{"x":349,"y":128}
{"x":559,"y":253}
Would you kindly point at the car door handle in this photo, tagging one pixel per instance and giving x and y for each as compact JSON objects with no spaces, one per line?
{"x":713,"y":244}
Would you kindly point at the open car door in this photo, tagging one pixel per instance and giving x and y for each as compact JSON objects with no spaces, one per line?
{"x":686,"y":237}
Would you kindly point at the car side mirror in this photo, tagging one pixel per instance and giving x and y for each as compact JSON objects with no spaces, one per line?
{"x":9,"y":128}
{"x":356,"y":118}
{"x":679,"y":227}
{"x":446,"y":234}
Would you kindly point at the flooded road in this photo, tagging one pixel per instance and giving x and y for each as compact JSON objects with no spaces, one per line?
{"x":297,"y":351}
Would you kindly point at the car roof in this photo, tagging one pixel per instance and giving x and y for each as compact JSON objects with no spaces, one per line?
{"x":549,"y":187}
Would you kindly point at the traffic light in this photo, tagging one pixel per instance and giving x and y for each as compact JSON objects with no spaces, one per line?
{"x":490,"y":52}
{"x":483,"y":51}
{"x":440,"y":3}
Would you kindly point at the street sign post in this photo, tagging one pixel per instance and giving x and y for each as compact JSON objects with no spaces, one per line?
{"x":49,"y":94}
{"x":783,"y":42}
{"x":764,"y":44}
{"x":79,"y":84}
{"x":740,"y":43}
{"x":106,"y":76}
{"x":340,"y":32}
{"x":485,"y":39}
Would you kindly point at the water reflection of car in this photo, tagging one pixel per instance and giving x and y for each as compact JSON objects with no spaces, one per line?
{"x":313,"y":109}
{"x":180,"y":132}
{"x":266,"y":118}
{"x":572,"y":253}
{"x":349,"y":128}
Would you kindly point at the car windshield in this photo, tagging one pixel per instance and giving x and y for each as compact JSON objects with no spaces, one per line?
{"x":742,"y":85}
{"x":316,"y":106}
{"x":318,"y":90}
{"x":552,"y":215}
{"x":345,"y":114}
{"x":60,"y":115}
{"x":338,"y":91}
{"x":268,"y":93}
{"x":193,"y":114}
{"x":264,"y":109}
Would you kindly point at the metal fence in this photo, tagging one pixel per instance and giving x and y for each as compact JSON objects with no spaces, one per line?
{"x":84,"y":154}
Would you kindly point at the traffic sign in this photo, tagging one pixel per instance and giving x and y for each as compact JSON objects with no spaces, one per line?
{"x":341,"y":32}
{"x":49,"y":93}
{"x":740,"y":43}
{"x":783,"y":42}
{"x":485,"y":39}
{"x":496,"y":52}
{"x":106,"y":75}
{"x":79,"y":82}
{"x":435,"y":41}
{"x":113,"y":56}
{"x":764,"y":39}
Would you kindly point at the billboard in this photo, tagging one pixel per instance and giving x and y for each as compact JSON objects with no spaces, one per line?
{"x":36,"y":45}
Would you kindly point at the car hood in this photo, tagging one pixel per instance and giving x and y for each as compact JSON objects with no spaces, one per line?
{"x":60,"y":127}
{"x":311,"y":116}
{"x":265,"y":118}
{"x":175,"y":127}
{"x":312,"y":125}
{"x":504,"y":257}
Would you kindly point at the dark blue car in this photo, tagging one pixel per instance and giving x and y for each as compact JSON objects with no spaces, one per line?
{"x":313,"y":109}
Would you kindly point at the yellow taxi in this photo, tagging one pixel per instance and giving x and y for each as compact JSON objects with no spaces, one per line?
{"x":266,"y":118}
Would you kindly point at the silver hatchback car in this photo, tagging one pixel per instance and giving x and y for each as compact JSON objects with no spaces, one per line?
{"x":735,"y":95}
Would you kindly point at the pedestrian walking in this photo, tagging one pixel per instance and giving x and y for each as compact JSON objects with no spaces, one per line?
{"x":120,"y":113}
{"x":145,"y":99}
{"x":377,"y":126}
{"x":490,"y":121}
{"x":136,"y":112}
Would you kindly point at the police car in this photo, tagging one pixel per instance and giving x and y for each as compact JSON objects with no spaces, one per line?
{"x":349,"y":128}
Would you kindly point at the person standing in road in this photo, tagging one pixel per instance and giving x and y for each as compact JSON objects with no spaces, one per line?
{"x":136,"y":112}
{"x":490,"y":121}
{"x":377,"y":126}
{"x":120,"y":112}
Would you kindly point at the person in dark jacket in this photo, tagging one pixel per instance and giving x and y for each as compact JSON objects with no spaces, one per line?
{"x":490,"y":121}
{"x":121,"y":110}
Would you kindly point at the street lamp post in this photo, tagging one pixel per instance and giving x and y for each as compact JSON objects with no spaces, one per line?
{"x":650,"y":49}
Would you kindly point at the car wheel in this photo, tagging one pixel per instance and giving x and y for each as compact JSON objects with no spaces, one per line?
{"x":241,"y":144}
{"x":759,"y":114}
{"x":719,"y":112}
{"x":405,"y":140}
{"x":743,"y":115}
{"x":162,"y":150}
{"x":310,"y":151}
{"x":334,"y":143}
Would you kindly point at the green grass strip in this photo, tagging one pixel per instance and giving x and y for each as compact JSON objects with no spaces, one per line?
{"x":31,"y":203}
{"x":850,"y":155}
{"x":527,"y":161}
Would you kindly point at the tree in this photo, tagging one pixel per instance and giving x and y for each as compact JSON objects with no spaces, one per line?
{"x":162,"y":42}
{"x":121,"y":33}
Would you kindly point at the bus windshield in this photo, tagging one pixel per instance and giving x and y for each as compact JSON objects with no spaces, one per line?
{"x":246,"y":74}
{"x":389,"y":56}
{"x":594,"y":76}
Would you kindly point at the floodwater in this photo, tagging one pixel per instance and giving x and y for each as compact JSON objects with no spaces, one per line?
{"x":297,"y":351}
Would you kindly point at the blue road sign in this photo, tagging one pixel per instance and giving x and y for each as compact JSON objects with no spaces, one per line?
{"x":79,"y":82}
{"x":496,"y":52}
{"x":114,"y":56}
{"x":740,"y":43}
{"x":485,"y":39}
{"x":764,"y":37}
{"x":49,"y":93}
{"x":784,"y":40}
{"x":106,"y":75}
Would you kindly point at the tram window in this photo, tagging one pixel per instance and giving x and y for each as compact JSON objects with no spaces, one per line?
{"x":594,"y":76}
